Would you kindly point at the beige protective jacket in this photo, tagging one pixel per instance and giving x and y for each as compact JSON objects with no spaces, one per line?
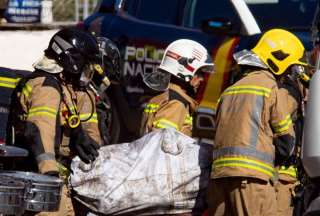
{"x":173,"y":108}
{"x":42,"y":111}
{"x":250,"y":114}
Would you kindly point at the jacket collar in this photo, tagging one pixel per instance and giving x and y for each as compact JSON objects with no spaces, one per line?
{"x":182,"y":92}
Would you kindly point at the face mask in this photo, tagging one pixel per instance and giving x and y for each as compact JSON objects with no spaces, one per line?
{"x":300,"y":72}
{"x":87,"y":73}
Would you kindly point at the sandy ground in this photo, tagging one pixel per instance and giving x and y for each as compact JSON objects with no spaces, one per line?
{"x":20,"y":49}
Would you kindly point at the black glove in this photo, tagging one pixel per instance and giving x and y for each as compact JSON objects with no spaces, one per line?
{"x":284,"y":146}
{"x":85,"y":147}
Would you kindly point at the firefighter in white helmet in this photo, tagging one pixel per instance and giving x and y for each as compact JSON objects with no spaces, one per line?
{"x":177,"y":79}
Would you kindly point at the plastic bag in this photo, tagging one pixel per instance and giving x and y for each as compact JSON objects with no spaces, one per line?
{"x":164,"y":172}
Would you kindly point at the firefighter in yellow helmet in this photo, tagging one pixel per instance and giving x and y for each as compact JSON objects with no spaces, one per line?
{"x":294,"y":87}
{"x":178,"y":77}
{"x":288,"y":171}
{"x":254,"y":129}
{"x":53,"y":112}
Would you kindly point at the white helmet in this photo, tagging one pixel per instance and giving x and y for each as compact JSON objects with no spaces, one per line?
{"x":183,"y":58}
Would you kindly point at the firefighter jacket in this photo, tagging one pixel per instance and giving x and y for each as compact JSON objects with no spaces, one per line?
{"x":171,"y":109}
{"x":42,"y":107}
{"x":250,"y":114}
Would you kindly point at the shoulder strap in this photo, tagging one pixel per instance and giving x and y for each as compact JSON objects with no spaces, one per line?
{"x":173,"y":95}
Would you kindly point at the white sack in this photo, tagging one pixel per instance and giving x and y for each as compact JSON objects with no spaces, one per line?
{"x":163,"y":172}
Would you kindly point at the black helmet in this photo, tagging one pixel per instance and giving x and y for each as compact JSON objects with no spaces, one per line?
{"x":110,"y":57}
{"x":73,"y":49}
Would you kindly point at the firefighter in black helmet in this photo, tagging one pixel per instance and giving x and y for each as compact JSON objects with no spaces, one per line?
{"x":53,"y":110}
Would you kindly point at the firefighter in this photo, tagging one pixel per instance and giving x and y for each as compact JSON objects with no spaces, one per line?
{"x":294,"y":87}
{"x":288,"y":172}
{"x":178,"y":77}
{"x":53,"y":111}
{"x":254,"y":129}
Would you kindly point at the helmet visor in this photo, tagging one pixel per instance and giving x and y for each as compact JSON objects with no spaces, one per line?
{"x":158,"y":80}
{"x":207,"y":66}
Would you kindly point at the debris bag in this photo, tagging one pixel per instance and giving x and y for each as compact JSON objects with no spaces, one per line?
{"x":164,"y":172}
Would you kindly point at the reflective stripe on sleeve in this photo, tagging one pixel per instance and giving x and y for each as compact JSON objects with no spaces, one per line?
{"x":244,"y":163}
{"x":93,"y":119}
{"x":164,"y":123}
{"x":151,"y":108}
{"x":8,"y":82}
{"x":248,"y":89}
{"x":283,"y":125}
{"x":26,"y":90}
{"x":291,"y":171}
{"x":188,"y":120}
{"x":42,"y":111}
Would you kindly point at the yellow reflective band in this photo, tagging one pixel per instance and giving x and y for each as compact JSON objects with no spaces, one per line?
{"x":251,"y":87}
{"x":64,"y":172}
{"x":291,"y":171}
{"x":248,"y":89}
{"x":8,"y":82}
{"x":245,"y":163}
{"x":283,"y":125}
{"x":151,"y":108}
{"x":93,"y":119}
{"x":26,"y":90}
{"x":188,"y":120}
{"x":164,"y":123}
{"x":39,"y":111}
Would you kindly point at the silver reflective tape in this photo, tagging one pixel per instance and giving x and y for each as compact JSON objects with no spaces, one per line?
{"x":250,"y":152}
{"x":62,"y":43}
{"x":45,"y":156}
{"x":256,"y":121}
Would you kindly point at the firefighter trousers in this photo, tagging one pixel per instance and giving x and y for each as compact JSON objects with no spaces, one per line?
{"x":240,"y":196}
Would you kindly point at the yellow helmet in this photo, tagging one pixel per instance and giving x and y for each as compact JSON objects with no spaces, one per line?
{"x":279,"y":49}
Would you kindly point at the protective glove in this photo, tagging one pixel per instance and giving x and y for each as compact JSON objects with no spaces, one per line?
{"x":85,"y":147}
{"x":284,"y":146}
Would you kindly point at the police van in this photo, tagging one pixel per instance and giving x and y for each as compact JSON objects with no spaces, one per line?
{"x":143,"y":28}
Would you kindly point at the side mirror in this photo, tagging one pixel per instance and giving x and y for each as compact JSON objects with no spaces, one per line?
{"x":217,"y":26}
{"x":107,"y":6}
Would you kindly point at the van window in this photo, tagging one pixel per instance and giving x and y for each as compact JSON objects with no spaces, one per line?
{"x":199,"y":10}
{"x":160,"y":11}
{"x":288,"y":14}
